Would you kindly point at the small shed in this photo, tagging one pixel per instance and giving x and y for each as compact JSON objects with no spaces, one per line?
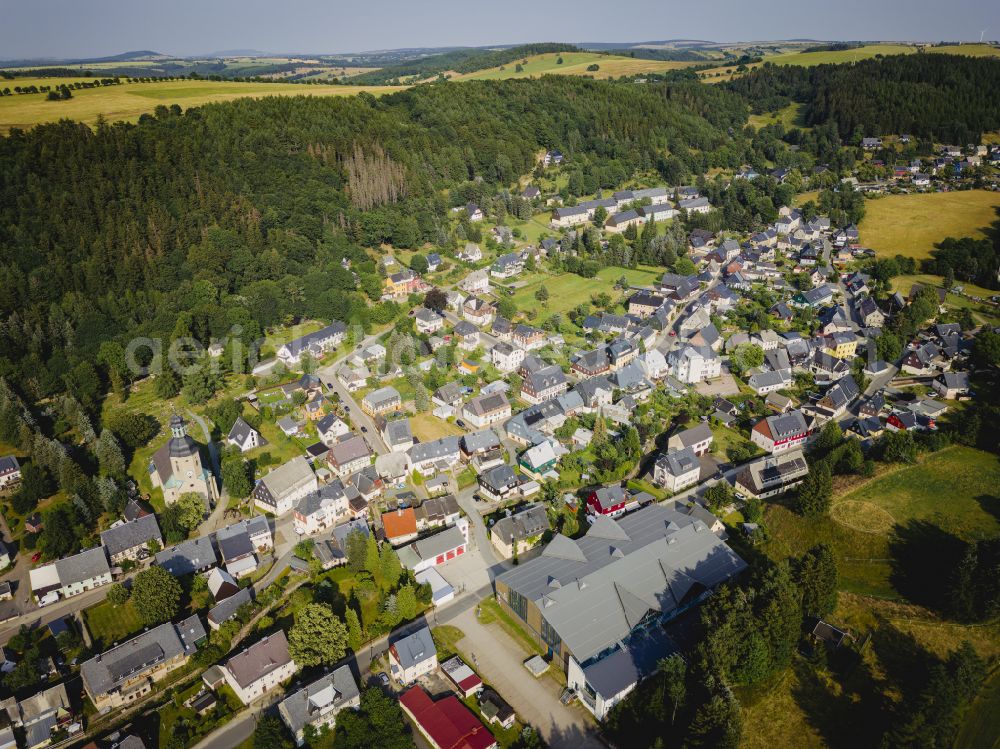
{"x":536,"y":665}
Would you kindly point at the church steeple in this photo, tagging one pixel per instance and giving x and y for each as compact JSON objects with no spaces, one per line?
{"x":177,"y":426}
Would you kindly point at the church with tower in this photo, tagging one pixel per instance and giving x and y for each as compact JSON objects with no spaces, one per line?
{"x":177,"y":468}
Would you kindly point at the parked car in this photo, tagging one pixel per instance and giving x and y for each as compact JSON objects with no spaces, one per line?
{"x":383,"y":677}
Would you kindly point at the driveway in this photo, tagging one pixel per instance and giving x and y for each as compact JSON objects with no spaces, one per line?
{"x":499,"y":660}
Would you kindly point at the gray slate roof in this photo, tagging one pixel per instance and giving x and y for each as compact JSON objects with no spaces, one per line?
{"x":129,"y":535}
{"x":415,"y":648}
{"x":187,"y":557}
{"x":328,"y":693}
{"x":83,"y":566}
{"x":114,"y":667}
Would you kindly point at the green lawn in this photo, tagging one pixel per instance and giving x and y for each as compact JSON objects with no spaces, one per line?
{"x":944,"y":489}
{"x":911,"y":225}
{"x":108,"y":623}
{"x":790,"y":116}
{"x":567,"y":290}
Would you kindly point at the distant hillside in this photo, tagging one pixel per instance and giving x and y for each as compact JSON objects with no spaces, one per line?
{"x":460,"y":61}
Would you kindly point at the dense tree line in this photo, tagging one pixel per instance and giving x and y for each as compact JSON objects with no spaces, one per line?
{"x":946,"y":98}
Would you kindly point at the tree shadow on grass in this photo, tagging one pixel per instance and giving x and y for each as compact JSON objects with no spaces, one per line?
{"x":923,"y":559}
{"x":990,"y":504}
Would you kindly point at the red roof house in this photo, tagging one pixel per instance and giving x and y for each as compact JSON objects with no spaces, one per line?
{"x":447,"y":723}
{"x":463,"y":677}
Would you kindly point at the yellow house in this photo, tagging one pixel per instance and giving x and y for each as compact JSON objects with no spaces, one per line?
{"x":843,"y":345}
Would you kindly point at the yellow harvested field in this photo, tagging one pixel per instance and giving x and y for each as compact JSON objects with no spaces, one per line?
{"x":129,"y":100}
{"x":911,"y":225}
{"x":575,"y":63}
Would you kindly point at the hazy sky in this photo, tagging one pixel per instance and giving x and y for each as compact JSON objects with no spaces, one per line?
{"x":70,"y":28}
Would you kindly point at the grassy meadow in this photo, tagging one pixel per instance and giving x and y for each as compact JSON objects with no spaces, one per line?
{"x":575,"y":63}
{"x":790,"y":116}
{"x":128,"y":101}
{"x":813,"y":708}
{"x":911,"y":225}
{"x":567,"y":290}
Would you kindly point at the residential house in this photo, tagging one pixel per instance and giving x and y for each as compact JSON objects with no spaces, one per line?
{"x":466,"y":335}
{"x":607,"y":500}
{"x":485,"y":410}
{"x":772,"y":475}
{"x":695,"y":205}
{"x":428,"y":458}
{"x":446,"y":723}
{"x":835,"y":401}
{"x":240,"y":543}
{"x":381,"y":401}
{"x":505,"y":357}
{"x":279,"y":490}
{"x":428,"y":320}
{"x":569,"y":216}
{"x":517,"y":532}
{"x":676,"y":470}
{"x":131,"y":540}
{"x":528,"y":338}
{"x":322,"y":509}
{"x":543,"y":385}
{"x":244,"y":436}
{"x":644,"y":303}
{"x":540,"y":460}
{"x":620,"y":577}
{"x":507,"y":266}
{"x":314,"y":344}
{"x":780,"y":432}
{"x":38,"y":716}
{"x":400,"y":525}
{"x":843,"y":344}
{"x":260,"y":668}
{"x":471,"y":253}
{"x":691,"y":364}
{"x":474,"y":213}
{"x":499,"y":484}
{"x":478,"y":311}
{"x":435,"y":512}
{"x":349,"y":456}
{"x":188,"y":557}
{"x":318,"y":704}
{"x":950,"y":385}
{"x":698,"y":438}
{"x":396,"y":434}
{"x":331,"y":428}
{"x":869,"y":313}
{"x":70,"y":576}
{"x":127,"y":672}
{"x":221,"y":584}
{"x":412,"y":656}
{"x":619,"y":222}
{"x":592,"y":363}
{"x":10,"y":471}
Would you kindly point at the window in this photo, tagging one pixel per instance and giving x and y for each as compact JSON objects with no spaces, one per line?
{"x":550,"y":636}
{"x":518,"y":604}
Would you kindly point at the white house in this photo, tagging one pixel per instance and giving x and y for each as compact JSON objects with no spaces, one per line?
{"x":676,"y":470}
{"x":331,"y":428}
{"x":244,"y":436}
{"x":477,"y":282}
{"x":10,"y":471}
{"x":780,"y":432}
{"x":505,"y":357}
{"x":487,"y":409}
{"x":692,"y":364}
{"x":259,"y":668}
{"x":321,"y":509}
{"x":413,"y":656}
{"x":279,"y":490}
{"x":319,"y":703}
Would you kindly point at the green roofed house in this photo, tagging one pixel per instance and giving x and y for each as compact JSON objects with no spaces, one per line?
{"x":597,"y":603}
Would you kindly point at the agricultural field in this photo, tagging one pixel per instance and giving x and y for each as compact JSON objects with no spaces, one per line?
{"x":129,"y":100}
{"x":911,"y":225}
{"x":575,"y":63}
{"x":808,"y":59}
{"x":567,"y":290}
